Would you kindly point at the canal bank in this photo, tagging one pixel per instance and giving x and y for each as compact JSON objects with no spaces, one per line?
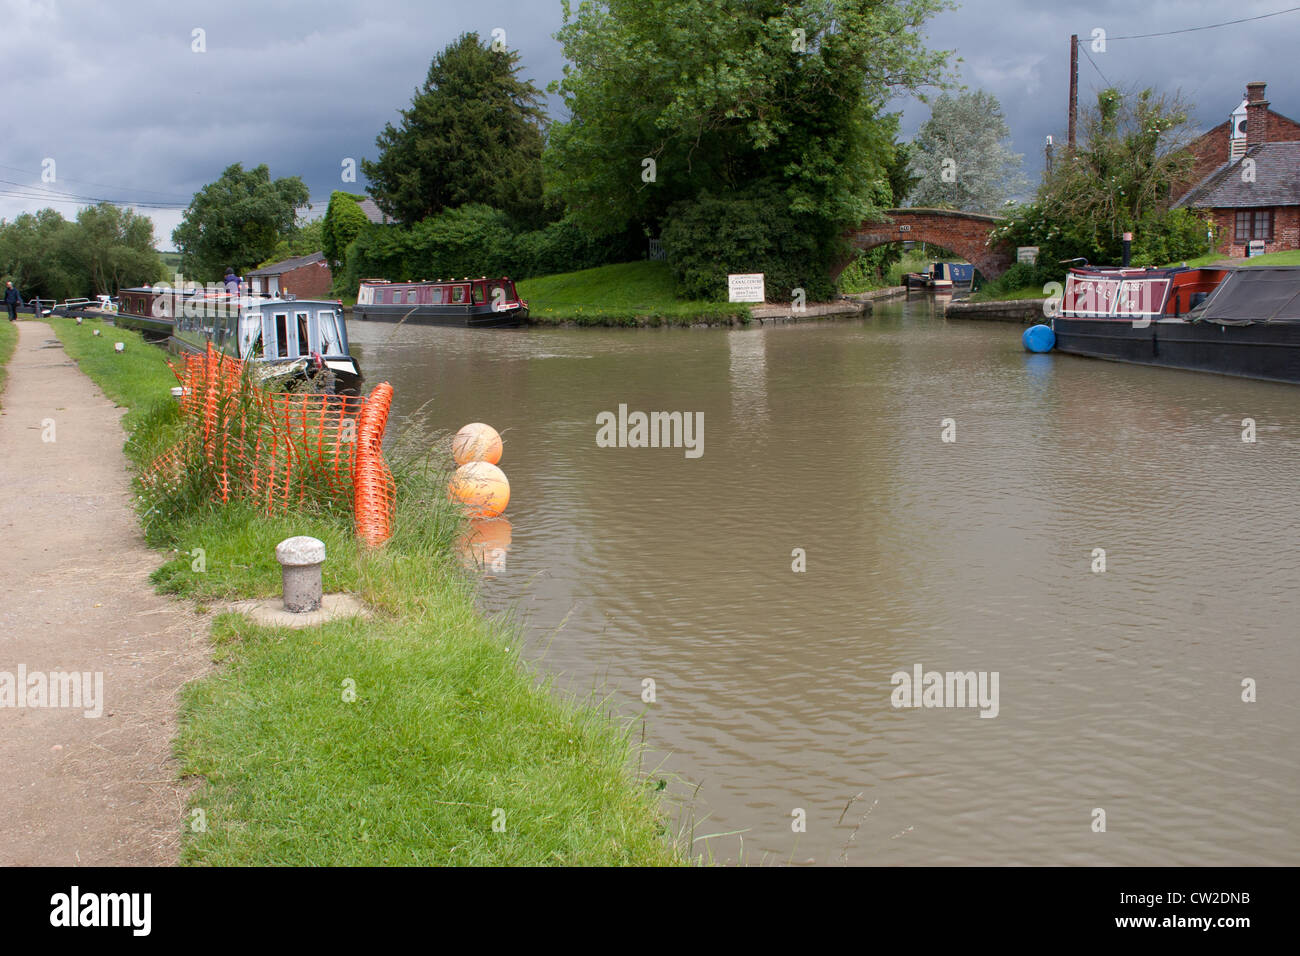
{"x":1019,"y":311}
{"x":415,"y":737}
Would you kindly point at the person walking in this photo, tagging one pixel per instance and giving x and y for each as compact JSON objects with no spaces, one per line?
{"x":12,"y":301}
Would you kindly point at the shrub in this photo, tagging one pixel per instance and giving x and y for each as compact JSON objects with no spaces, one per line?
{"x":751,"y":231}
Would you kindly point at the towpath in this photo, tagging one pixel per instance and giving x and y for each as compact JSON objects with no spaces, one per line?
{"x":75,"y":596}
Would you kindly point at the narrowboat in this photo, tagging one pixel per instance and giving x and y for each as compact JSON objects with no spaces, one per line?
{"x":942,"y":276}
{"x":305,"y":339}
{"x":466,"y":303}
{"x":1231,"y":321}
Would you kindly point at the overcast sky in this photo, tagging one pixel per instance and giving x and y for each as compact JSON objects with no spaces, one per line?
{"x":113,"y":94}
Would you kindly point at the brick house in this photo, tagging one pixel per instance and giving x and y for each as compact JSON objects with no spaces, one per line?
{"x":305,"y":277}
{"x":1247,"y":177}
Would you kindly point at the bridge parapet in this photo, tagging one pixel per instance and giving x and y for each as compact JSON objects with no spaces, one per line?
{"x":964,"y":233}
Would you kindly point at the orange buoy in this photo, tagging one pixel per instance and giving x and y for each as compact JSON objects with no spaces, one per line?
{"x":481,"y":487}
{"x":476,"y":442}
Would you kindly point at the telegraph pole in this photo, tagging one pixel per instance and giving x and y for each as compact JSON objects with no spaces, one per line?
{"x":1074,"y":85}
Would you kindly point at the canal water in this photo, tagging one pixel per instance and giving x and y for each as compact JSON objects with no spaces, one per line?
{"x":1118,"y":691}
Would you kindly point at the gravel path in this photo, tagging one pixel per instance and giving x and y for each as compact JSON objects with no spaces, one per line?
{"x":79,"y":790}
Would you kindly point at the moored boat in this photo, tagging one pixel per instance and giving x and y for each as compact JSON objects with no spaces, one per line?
{"x":304,"y":339}
{"x":1243,"y":321}
{"x":466,"y":303}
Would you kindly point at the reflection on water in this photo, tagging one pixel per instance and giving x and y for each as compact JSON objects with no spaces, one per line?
{"x":1119,"y":690}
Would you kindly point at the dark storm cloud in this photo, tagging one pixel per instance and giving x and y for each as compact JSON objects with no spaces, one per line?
{"x":114,"y":94}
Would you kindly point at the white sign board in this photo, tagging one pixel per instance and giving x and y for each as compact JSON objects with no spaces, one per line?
{"x":1256,"y":248}
{"x":1027,"y":254}
{"x":746,"y":288}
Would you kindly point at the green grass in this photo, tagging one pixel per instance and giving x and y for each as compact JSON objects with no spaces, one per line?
{"x":627,"y":293}
{"x":994,"y":294}
{"x":8,"y":342}
{"x":1289,"y":258}
{"x":383,"y":742}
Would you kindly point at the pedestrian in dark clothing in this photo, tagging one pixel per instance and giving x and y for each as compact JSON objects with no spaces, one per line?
{"x":232,"y":282}
{"x":12,"y":301}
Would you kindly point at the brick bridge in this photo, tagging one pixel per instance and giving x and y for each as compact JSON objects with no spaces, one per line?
{"x":963,"y":233}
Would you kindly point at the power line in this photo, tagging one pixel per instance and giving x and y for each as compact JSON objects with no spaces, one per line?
{"x":1210,"y":26}
{"x":1094,"y":64}
{"x":87,"y":182}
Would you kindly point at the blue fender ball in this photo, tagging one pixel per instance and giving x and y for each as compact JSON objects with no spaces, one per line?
{"x":1039,"y":338}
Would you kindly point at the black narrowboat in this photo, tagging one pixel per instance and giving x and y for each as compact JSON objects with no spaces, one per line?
{"x":1232,"y":321}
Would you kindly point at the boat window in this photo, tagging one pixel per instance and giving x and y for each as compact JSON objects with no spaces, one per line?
{"x":478,"y":292}
{"x":330,"y":341}
{"x":304,"y":337}
{"x":458,"y":294}
{"x":436,"y":296}
{"x":282,"y":334}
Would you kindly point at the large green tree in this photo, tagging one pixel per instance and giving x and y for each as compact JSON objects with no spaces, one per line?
{"x":238,"y":221}
{"x":104,"y":249}
{"x":676,"y":99}
{"x":961,"y":158}
{"x":112,"y":247}
{"x":473,"y":134}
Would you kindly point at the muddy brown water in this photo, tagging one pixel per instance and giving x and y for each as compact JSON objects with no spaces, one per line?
{"x":774,"y":689}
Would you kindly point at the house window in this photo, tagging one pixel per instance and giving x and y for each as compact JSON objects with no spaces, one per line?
{"x":1254,"y":224}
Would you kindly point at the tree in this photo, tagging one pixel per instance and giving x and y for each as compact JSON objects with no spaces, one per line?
{"x":473,"y":134}
{"x":343,"y":222}
{"x":1131,"y":152}
{"x":238,"y":221}
{"x":676,"y":100}
{"x":32,"y":251}
{"x":1118,"y":179}
{"x":960,"y":156}
{"x":308,"y":238}
{"x":105,"y":249}
{"x":112,"y":248}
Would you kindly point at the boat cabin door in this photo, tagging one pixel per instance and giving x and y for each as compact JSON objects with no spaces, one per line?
{"x":288,"y":333}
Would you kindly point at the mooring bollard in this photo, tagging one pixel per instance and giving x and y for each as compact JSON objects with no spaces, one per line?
{"x":300,"y":560}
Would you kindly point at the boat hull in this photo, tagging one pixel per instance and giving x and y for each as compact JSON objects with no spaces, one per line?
{"x":453,"y":316}
{"x":1263,"y":350}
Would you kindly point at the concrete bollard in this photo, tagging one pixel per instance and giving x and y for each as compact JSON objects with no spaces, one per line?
{"x":300,"y":560}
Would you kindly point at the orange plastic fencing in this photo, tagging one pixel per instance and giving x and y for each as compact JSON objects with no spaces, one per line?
{"x":280,"y":449}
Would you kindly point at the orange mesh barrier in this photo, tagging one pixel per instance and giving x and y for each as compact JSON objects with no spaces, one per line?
{"x":280,"y":450}
{"x":373,"y":496}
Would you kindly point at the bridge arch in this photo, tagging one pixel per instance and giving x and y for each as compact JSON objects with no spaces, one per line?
{"x":964,"y":233}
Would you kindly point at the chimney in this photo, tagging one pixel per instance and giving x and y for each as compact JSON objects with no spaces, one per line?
{"x":1256,"y":114}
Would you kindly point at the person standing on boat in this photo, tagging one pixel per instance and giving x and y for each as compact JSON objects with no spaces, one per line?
{"x":12,"y":301}
{"x":232,"y":281}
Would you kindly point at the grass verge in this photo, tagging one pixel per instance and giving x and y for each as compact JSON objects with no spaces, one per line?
{"x":994,"y":294}
{"x":8,"y":342}
{"x":416,"y":737}
{"x":627,"y":293}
